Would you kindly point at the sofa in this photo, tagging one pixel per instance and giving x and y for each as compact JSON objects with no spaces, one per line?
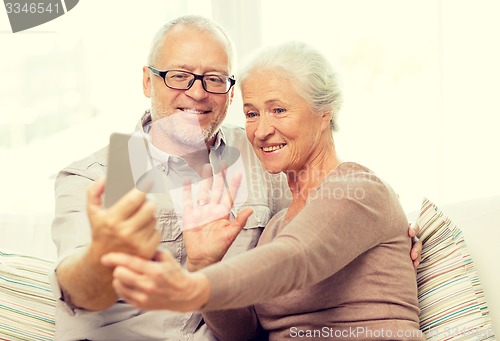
{"x":457,"y":290}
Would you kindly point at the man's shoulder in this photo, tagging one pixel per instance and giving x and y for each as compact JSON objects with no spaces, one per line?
{"x":234,"y":133}
{"x":235,"y":137}
{"x":91,"y":166}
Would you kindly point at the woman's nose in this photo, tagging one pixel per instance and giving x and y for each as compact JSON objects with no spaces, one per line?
{"x":264,"y":129}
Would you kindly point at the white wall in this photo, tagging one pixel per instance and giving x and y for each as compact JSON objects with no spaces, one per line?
{"x":420,"y":80}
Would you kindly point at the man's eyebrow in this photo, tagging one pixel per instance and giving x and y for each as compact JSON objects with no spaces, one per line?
{"x":190,"y":67}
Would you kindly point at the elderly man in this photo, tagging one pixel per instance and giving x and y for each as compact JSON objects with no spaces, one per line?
{"x":189,"y":82}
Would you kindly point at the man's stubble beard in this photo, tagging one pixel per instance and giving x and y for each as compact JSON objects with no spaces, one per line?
{"x":177,"y":130}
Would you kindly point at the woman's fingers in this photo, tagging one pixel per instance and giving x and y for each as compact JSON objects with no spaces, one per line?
{"x":188,"y":196}
{"x":144,"y":283}
{"x":205,"y":185}
{"x":114,"y":259}
{"x":217,"y":189}
{"x":232,"y":190}
{"x":131,"y":286}
{"x":242,"y":217}
{"x":215,"y":199}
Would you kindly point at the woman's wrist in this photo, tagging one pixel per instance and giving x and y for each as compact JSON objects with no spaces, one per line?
{"x":193,"y":265}
{"x":201,"y":290}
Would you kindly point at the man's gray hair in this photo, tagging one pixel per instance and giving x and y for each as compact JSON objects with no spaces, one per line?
{"x":306,"y":68}
{"x":192,"y":21}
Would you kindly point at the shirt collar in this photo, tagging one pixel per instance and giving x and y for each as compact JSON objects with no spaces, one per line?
{"x":145,"y":125}
{"x":220,"y":141}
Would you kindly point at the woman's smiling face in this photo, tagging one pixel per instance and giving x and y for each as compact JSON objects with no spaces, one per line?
{"x":280,"y":123}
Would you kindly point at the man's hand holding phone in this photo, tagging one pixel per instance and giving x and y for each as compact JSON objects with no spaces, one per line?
{"x":127,"y":226}
{"x":124,"y":220}
{"x":120,"y":221}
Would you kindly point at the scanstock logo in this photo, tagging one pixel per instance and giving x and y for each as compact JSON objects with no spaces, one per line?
{"x":25,"y":14}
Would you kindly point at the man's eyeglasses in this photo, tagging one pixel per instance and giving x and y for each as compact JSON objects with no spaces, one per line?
{"x":183,"y":80}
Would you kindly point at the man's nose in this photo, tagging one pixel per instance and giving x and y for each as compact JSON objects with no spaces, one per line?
{"x":196,"y":91}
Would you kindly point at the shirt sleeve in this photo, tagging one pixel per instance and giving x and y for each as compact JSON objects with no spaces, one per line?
{"x":70,"y":227}
{"x":345,"y":217}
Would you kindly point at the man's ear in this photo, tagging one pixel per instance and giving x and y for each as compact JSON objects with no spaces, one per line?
{"x":146,"y":81}
{"x":231,"y":95}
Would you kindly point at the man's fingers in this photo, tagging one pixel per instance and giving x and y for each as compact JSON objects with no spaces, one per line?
{"x":144,"y":216}
{"x":128,"y":204}
{"x":94,"y":192}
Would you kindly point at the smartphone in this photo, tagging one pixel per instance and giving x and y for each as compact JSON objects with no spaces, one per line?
{"x":128,"y":160}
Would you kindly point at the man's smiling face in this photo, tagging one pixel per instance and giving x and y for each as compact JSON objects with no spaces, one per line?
{"x":188,"y":115}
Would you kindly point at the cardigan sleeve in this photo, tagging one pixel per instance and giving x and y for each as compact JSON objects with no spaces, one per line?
{"x":235,"y":324}
{"x":348,"y":215}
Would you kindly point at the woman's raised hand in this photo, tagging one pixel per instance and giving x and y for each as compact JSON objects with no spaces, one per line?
{"x":207,"y":231}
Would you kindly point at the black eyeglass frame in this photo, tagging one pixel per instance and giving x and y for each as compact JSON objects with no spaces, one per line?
{"x":163,"y":74}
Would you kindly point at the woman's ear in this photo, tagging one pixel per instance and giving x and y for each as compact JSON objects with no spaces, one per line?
{"x":326,"y":119}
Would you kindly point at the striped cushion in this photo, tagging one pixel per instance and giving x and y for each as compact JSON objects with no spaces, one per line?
{"x":452,"y":303}
{"x":27,"y":306}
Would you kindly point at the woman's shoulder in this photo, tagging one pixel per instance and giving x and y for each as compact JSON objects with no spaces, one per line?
{"x":353,"y":187}
{"x":351,"y":180}
{"x":352,"y":172}
{"x":350,"y":167}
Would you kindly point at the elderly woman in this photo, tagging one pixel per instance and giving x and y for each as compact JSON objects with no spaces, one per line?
{"x":332,"y":265}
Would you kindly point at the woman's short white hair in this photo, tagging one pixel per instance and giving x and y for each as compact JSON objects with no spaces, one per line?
{"x":193,"y":21}
{"x":306,"y":68}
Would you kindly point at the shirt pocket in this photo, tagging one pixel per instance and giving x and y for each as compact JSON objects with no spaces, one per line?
{"x":259,"y":218}
{"x":169,"y":226}
{"x":170,"y":229}
{"x":249,"y":236}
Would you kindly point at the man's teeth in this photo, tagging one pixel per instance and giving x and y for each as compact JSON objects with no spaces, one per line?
{"x":193,"y":111}
{"x":272,"y":148}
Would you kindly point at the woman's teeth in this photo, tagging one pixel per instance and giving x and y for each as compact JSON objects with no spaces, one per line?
{"x":272,"y":148}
